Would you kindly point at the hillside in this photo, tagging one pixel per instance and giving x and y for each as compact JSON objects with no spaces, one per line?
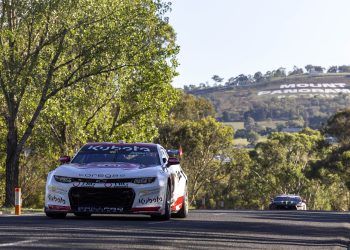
{"x":306,"y":100}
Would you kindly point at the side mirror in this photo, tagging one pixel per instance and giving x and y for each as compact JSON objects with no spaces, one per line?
{"x":173,"y":161}
{"x":304,"y":201}
{"x":64,"y":159}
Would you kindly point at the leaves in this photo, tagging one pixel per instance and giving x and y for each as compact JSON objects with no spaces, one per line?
{"x":73,"y":71}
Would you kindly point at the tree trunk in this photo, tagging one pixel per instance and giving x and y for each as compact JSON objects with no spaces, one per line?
{"x":12,"y":163}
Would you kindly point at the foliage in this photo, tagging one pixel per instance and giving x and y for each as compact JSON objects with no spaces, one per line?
{"x":191,"y":107}
{"x":192,"y":126}
{"x":57,"y":55}
{"x":227,"y":177}
{"x":339,"y":126}
{"x":252,"y":137}
{"x":201,"y":141}
{"x":332,"y":69}
{"x":296,"y":71}
{"x":280,"y":164}
{"x":344,"y":69}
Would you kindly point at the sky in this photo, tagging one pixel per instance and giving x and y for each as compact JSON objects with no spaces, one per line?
{"x":232,"y":37}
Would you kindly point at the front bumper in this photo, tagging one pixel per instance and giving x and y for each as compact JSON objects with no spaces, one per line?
{"x":99,"y":199}
{"x":283,"y":207}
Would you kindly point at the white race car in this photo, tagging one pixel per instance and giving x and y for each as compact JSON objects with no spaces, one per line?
{"x":113,"y":178}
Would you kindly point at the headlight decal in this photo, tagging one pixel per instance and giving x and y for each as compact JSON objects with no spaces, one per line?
{"x":144,"y":180}
{"x":57,"y":189}
{"x":63,"y":179}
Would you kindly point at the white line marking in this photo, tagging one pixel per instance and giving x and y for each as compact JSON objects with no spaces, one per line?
{"x":219,"y":214}
{"x":16,"y":243}
{"x":159,"y":222}
{"x":22,"y":215}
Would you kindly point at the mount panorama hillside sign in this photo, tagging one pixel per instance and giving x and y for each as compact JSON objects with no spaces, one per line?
{"x":322,"y":90}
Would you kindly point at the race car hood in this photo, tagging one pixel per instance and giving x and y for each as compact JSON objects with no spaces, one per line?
{"x":106,"y":170}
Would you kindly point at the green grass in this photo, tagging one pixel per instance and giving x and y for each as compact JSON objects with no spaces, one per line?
{"x":271,"y":124}
{"x":240,"y":141}
{"x":235,"y":125}
{"x":240,"y":125}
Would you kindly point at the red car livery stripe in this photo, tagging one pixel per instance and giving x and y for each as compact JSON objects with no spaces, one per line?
{"x":145,"y":209}
{"x":178,"y":202}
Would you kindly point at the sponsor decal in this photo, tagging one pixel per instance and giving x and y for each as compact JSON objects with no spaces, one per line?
{"x":102,"y":175}
{"x":58,"y":190}
{"x":150,"y":200}
{"x":107,"y":185}
{"x":86,"y":184}
{"x":179,"y":175}
{"x":100,"y":209}
{"x":56,"y":199}
{"x":119,"y":148}
{"x":116,"y":184}
{"x":59,"y":208}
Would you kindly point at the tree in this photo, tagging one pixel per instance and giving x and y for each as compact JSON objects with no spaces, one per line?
{"x":296,"y":71}
{"x":319,"y":69}
{"x":281,"y":163}
{"x":48,"y":47}
{"x":201,"y":141}
{"x":191,"y":125}
{"x":258,"y":76}
{"x":249,"y":124}
{"x":217,"y":79}
{"x":227,"y":188}
{"x":280,"y":72}
{"x":231,"y":81}
{"x":344,"y":69}
{"x":190,"y":107}
{"x":241,"y":79}
{"x":268,"y":74}
{"x":187,"y":108}
{"x":332,"y":69}
{"x":252,"y":137}
{"x":339,"y":126}
{"x":309,"y":67}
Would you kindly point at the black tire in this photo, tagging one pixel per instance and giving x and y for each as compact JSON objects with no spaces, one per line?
{"x":56,"y":215}
{"x":82,"y":214}
{"x":167,"y":213}
{"x":183,"y":212}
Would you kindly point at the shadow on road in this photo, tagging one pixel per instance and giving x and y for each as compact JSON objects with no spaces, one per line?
{"x":202,"y":230}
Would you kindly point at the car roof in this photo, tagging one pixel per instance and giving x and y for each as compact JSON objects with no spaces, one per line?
{"x":288,"y":195}
{"x":120,"y":144}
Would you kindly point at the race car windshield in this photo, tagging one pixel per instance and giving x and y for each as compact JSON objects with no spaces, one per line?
{"x":132,"y":154}
{"x":290,"y":199}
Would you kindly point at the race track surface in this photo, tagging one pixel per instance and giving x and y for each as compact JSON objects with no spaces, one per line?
{"x":203,"y":229}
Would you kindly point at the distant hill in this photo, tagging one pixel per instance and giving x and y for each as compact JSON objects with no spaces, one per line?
{"x":307,"y":100}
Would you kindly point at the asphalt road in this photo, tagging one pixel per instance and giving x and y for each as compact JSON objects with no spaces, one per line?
{"x":203,"y":229}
